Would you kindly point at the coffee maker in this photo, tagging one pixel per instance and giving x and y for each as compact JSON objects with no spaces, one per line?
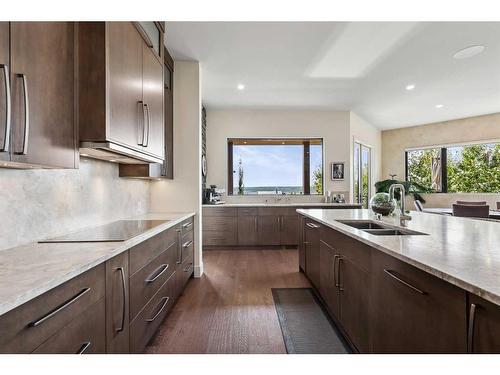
{"x":213,"y":195}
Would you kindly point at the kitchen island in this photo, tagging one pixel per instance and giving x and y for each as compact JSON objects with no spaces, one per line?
{"x":435,"y":289}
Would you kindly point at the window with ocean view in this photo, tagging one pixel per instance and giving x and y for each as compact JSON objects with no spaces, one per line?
{"x":287,"y":166}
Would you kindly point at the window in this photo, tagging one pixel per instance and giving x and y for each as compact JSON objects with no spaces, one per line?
{"x":361,"y":173}
{"x":275,"y":166}
{"x":473,"y":168}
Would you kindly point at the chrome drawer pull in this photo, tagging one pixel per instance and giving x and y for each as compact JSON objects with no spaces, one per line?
{"x":141,"y":123}
{"x":187,"y":225}
{"x":124,"y":296}
{"x":187,"y":244}
{"x":179,"y":246}
{"x":148,"y":117}
{"x":391,"y":274}
{"x":60,"y":308}
{"x":84,"y":347}
{"x":157,"y":273}
{"x":313,"y":226}
{"x":470,"y":333}
{"x":160,"y":310}
{"x":8,"y":107}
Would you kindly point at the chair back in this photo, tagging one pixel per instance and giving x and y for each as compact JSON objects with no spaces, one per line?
{"x":418,"y":206}
{"x":472,"y":203}
{"x":464,"y":210}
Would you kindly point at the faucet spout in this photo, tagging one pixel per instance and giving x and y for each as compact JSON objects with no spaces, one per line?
{"x":403,"y":217}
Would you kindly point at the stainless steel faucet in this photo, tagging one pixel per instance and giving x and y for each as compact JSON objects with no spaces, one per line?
{"x":403,"y":217}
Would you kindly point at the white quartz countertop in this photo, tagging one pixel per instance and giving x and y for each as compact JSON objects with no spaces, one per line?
{"x":31,"y":270}
{"x":313,"y":204}
{"x":464,"y":252}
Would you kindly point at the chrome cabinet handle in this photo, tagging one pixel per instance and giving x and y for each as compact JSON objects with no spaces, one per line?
{"x":313,"y":226}
{"x":54,"y":312}
{"x":255,"y":224}
{"x":335,"y":272}
{"x":391,"y":274}
{"x":141,"y":124}
{"x":165,"y":302}
{"x":470,"y":333}
{"x":187,"y":244}
{"x":341,"y":286}
{"x":156,"y":273}
{"x":148,"y":122}
{"x":124,"y":296}
{"x":84,"y":347}
{"x":187,"y":225}
{"x":24,"y":150}
{"x":8,"y":108}
{"x":179,"y":248}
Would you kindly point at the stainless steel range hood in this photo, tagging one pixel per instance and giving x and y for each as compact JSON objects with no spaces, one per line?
{"x":113,"y":152}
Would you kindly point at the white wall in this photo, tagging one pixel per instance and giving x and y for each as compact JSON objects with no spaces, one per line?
{"x":43,"y":203}
{"x":367,"y":134}
{"x":395,"y":142}
{"x":332,"y":126}
{"x":183,"y":193}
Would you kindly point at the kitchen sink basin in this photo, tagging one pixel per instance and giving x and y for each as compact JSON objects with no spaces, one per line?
{"x":379,"y":229}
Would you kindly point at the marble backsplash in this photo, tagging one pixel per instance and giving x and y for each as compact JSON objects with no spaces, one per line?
{"x":37,"y":204}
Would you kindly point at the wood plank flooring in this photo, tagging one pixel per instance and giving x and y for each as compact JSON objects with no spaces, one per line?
{"x":230,"y":309}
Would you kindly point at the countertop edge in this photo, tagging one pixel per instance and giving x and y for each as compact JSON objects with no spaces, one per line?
{"x":40,"y":289}
{"x":313,"y":204}
{"x":491,"y":297}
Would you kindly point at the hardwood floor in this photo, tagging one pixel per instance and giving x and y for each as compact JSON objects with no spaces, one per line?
{"x":230,"y":309}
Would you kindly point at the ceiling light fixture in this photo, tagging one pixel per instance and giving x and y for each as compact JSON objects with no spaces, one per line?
{"x":241,"y":87}
{"x":439,"y":105}
{"x":467,"y":52}
{"x":410,"y":87}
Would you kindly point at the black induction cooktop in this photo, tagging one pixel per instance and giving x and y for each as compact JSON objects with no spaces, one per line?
{"x":116,"y":231}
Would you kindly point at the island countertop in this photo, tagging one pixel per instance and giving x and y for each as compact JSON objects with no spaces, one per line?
{"x":31,"y":270}
{"x":464,"y":252}
{"x":291,"y":204}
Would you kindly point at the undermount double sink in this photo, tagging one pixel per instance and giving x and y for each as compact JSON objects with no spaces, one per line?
{"x":379,"y":229}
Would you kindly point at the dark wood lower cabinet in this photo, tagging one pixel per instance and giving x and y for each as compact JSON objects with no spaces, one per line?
{"x":312,"y":245}
{"x":414,"y":312}
{"x":484,"y":326}
{"x":328,"y":288}
{"x":289,"y":229}
{"x":269,"y":230}
{"x":248,"y":231}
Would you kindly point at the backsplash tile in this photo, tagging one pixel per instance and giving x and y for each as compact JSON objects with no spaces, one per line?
{"x":36,"y":204}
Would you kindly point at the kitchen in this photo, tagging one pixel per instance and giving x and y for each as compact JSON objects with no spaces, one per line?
{"x":168,"y":190}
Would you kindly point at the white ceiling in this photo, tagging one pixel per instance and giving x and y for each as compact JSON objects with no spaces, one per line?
{"x":358,"y":66}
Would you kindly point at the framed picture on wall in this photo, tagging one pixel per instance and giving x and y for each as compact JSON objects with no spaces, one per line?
{"x":337,"y":168}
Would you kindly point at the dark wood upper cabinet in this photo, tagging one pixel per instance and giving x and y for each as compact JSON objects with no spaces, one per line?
{"x":5,"y":100}
{"x":483,"y":326}
{"x":168,"y":165}
{"x":414,"y":312}
{"x":40,"y":57}
{"x":121,"y":94}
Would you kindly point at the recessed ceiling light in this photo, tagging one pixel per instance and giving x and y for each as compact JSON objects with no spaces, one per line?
{"x":410,"y":87}
{"x":439,"y":105}
{"x":468,"y":52}
{"x":241,"y":86}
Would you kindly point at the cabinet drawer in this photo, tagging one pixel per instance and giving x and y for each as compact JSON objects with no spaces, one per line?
{"x":146,"y":251}
{"x":187,"y":246}
{"x":187,"y":226}
{"x":220,"y":238}
{"x":144,"y":326}
{"x":220,"y":211}
{"x":146,"y":282}
{"x":247,"y":211}
{"x":84,"y":335}
{"x":26,"y":327}
{"x":219,"y":223}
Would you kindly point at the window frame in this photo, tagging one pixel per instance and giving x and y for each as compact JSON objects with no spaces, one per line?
{"x":444,"y":161}
{"x":306,"y":172}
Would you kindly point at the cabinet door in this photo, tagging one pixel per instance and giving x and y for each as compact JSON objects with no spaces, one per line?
{"x":126,"y":113}
{"x":117,"y":304}
{"x":354,"y":289}
{"x":289,"y":230}
{"x":152,"y":93}
{"x":248,"y":233}
{"x":484,"y":326}
{"x":4,"y":91}
{"x":302,"y":244}
{"x":327,"y":285}
{"x":43,"y":93}
{"x":312,"y":252}
{"x":269,"y":229}
{"x":414,"y":312}
{"x":168,"y":100}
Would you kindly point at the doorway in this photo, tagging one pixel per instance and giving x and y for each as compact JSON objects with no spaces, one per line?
{"x":362,"y":173}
